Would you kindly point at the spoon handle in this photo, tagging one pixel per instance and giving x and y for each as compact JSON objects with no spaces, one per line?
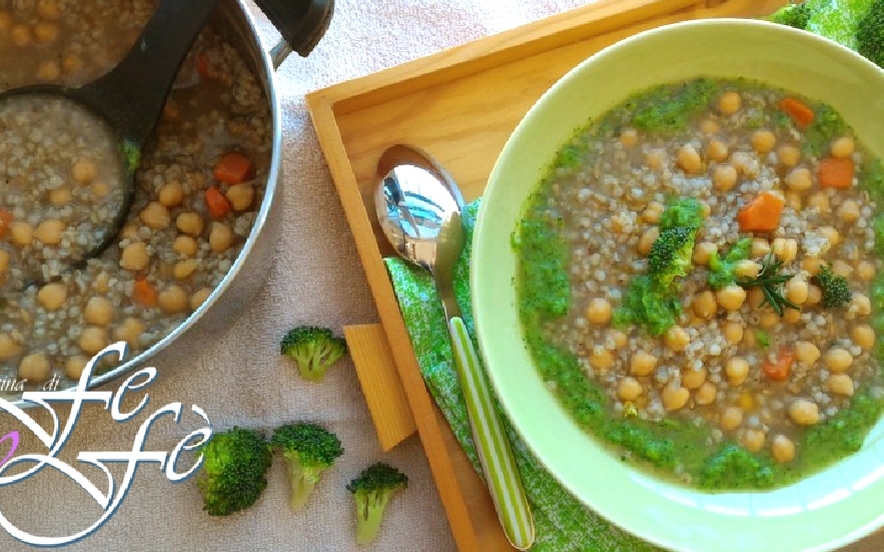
{"x":492,"y":445}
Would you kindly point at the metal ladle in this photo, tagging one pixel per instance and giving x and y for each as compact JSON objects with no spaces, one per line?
{"x":130,"y":99}
{"x":418,"y":207}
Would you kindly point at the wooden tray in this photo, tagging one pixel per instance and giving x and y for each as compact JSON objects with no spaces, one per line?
{"x":461,"y":105}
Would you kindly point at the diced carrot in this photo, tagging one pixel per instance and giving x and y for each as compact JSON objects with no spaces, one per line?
{"x":203,"y":67}
{"x":801,"y":113}
{"x":216,"y":202}
{"x":143,"y":293}
{"x":762,"y":213}
{"x":232,"y":168}
{"x":779,"y":369}
{"x":5,"y":221}
{"x":836,"y":172}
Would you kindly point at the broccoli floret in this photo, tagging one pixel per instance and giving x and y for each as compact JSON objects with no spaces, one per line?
{"x":649,"y":304}
{"x":670,"y":255}
{"x":683,"y":211}
{"x":309,"y":450}
{"x":233,"y":474}
{"x":372,"y":490}
{"x":834,"y":288}
{"x":793,"y":15}
{"x":314,"y":349}
{"x":722,"y":269}
{"x":870,"y":34}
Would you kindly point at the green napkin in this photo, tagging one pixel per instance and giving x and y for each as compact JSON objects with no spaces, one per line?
{"x":562,"y":523}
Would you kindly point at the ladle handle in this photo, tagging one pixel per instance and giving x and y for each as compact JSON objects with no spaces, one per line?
{"x":492,"y":445}
{"x":131,"y":96}
{"x":300,"y":22}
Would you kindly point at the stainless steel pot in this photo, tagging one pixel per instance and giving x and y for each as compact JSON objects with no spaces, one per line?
{"x":301,"y":24}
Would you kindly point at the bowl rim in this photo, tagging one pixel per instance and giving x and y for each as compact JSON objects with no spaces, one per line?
{"x":490,"y":306}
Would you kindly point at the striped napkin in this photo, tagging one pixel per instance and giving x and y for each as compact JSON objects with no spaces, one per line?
{"x":562,"y":523}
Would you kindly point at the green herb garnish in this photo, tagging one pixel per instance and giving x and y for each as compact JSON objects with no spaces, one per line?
{"x":771,"y":283}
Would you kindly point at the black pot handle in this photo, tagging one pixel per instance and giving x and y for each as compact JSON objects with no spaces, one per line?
{"x":302,"y":23}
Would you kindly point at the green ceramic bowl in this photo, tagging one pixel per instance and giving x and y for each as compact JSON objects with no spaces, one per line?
{"x":822,"y":512}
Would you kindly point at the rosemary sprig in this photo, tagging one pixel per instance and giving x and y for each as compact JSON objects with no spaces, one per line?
{"x":771,"y":283}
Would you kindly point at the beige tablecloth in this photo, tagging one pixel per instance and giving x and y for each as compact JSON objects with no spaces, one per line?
{"x":240,"y":378}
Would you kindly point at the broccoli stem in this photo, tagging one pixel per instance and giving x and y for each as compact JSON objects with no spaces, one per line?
{"x":369,"y":514}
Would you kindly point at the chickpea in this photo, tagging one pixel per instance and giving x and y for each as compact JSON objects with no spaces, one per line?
{"x":783,"y":449}
{"x":863,"y":336}
{"x":21,"y":233}
{"x":20,"y":35}
{"x":760,"y":247}
{"x":842,"y":147}
{"x":804,"y":412}
{"x":48,"y":71}
{"x":769,"y":319}
{"x":819,"y":201}
{"x":129,"y":232}
{"x":48,"y":9}
{"x":628,"y":137}
{"x":724,"y":177}
{"x":841,"y":384}
{"x":753,"y":440}
{"x":172,"y":299}
{"x":837,"y":359}
{"x":799,"y":179}
{"x":731,"y":297}
{"x":785,"y":248}
{"x":676,"y":338}
{"x":199,"y":297}
{"x":71,"y":63}
{"x":99,"y":188}
{"x":789,"y":155}
{"x":102,"y":282}
{"x":171,"y":194}
{"x":185,"y":246}
{"x":860,"y":305}
{"x":74,"y":366}
{"x":642,"y":364}
{"x":703,"y":251}
{"x":746,"y":164}
{"x":241,"y":196}
{"x":93,"y":339}
{"x":220,"y":237}
{"x":704,"y":304}
{"x":717,"y":151}
{"x":155,"y":215}
{"x":814,"y":295}
{"x":190,"y":223}
{"x":693,"y":379}
{"x":755,"y":297}
{"x":709,"y":126}
{"x":737,"y":370}
{"x":629,"y":389}
{"x":84,"y":170}
{"x":674,"y":398}
{"x":45,"y":32}
{"x":601,"y":358}
{"x":811,"y":265}
{"x":706,"y":393}
{"x":849,"y":211}
{"x":793,"y":201}
{"x":35,"y":367}
{"x":792,"y":316}
{"x":656,"y":159}
{"x":796,"y":290}
{"x":731,"y":418}
{"x":60,"y":196}
{"x":52,"y":296}
{"x":8,"y":346}
{"x":129,"y":331}
{"x":184,"y":269}
{"x":733,"y":332}
{"x":865,"y":271}
{"x":619,"y":339}
{"x":729,"y":103}
{"x":689,"y":159}
{"x":747,"y":269}
{"x":99,"y":311}
{"x":4,"y":262}
{"x":763,"y":140}
{"x":652,"y":212}
{"x":831,"y":234}
{"x":49,"y":231}
{"x":134,"y":257}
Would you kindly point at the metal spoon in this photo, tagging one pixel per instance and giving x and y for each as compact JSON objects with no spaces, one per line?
{"x":418,"y":206}
{"x":129,"y":99}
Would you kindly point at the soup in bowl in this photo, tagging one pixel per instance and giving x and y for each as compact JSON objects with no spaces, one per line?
{"x":691,"y":334}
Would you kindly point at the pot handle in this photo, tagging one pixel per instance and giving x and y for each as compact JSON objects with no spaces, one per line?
{"x":302,"y":23}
